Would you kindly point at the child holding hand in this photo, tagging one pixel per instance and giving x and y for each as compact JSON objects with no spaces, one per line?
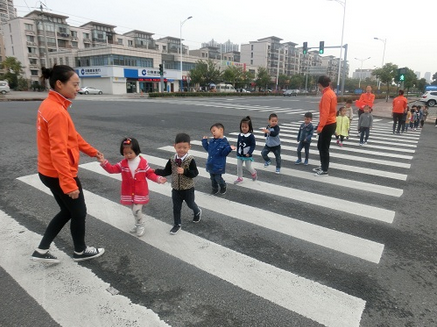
{"x":134,"y":171}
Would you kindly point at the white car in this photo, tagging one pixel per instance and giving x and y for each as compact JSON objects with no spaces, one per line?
{"x":290,"y":93}
{"x":89,"y":90}
{"x":4,"y":87}
{"x":430,"y":98}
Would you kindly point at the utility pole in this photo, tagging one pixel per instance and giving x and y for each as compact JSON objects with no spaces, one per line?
{"x":45,"y":36}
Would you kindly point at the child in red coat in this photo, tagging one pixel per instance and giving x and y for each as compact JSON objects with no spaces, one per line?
{"x":134,"y":171}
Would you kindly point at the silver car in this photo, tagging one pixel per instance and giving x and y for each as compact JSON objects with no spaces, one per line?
{"x":89,"y":90}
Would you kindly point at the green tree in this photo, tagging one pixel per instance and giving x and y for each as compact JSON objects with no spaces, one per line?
{"x":247,"y":78}
{"x":410,"y":79}
{"x":13,"y":69}
{"x":297,"y":81}
{"x":386,"y":75}
{"x":421,"y":83}
{"x":283,"y":81}
{"x":233,"y":75}
{"x":205,"y":73}
{"x":263,"y":79}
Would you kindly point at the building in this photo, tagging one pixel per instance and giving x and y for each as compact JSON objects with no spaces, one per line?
{"x":428,"y":77}
{"x":7,"y":12}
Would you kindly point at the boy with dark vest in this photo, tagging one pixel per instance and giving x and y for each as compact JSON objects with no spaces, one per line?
{"x":182,"y":169}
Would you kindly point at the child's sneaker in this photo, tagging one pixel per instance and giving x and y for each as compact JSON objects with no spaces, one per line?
{"x":238,"y":180}
{"x":197,"y":216}
{"x":214,"y":191}
{"x":133,"y":230}
{"x":338,"y":141}
{"x":223,"y":190}
{"x":298,"y":162}
{"x":44,"y":257}
{"x":306,"y":163}
{"x":175,"y":229}
{"x":267,"y":163}
{"x":278,"y":170}
{"x":254,"y":176}
{"x":89,"y":253}
{"x":140,"y":230}
{"x":340,"y":144}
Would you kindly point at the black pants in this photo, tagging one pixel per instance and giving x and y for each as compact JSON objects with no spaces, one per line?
{"x":397,"y":118}
{"x":178,"y":196}
{"x":71,"y":209}
{"x":323,"y":144}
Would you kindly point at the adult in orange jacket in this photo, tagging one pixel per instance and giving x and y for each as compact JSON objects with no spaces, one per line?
{"x":59,"y":146}
{"x":327,"y":123}
{"x":366,"y":99}
{"x":399,"y":106}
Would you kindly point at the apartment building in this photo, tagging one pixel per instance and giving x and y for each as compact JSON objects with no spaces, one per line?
{"x":115,"y":63}
{"x":7,"y":12}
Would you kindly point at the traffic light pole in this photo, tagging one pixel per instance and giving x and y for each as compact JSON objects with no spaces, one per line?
{"x":343,"y":73}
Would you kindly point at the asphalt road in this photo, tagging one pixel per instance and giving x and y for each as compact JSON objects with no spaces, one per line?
{"x":354,"y":249}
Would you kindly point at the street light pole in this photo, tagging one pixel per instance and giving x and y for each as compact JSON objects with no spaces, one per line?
{"x":361,"y":70}
{"x":180,"y":38}
{"x":383,"y":55}
{"x":343,"y":3}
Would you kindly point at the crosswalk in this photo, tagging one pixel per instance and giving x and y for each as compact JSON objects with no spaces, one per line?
{"x":379,"y":170}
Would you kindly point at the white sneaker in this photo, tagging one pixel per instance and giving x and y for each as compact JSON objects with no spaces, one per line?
{"x":133,"y":230}
{"x":140,"y":230}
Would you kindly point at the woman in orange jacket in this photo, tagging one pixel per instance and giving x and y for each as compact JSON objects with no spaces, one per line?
{"x":366,"y":99}
{"x":59,"y":146}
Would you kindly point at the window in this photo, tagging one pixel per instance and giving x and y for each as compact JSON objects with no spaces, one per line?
{"x":120,"y":41}
{"x":27,"y":27}
{"x":34,"y":72}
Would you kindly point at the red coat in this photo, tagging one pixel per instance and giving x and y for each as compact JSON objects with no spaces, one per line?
{"x":134,"y":190}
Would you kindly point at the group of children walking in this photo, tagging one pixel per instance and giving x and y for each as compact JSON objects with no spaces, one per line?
{"x":135,"y":170}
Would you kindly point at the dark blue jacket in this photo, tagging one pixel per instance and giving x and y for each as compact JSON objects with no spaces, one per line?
{"x":305,"y":133}
{"x":218,"y":149}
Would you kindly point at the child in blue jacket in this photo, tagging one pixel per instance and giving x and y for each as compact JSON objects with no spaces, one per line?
{"x":304,"y":137}
{"x":218,"y":149}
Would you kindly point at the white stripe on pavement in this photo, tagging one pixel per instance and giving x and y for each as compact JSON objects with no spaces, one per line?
{"x":70,"y":293}
{"x":333,"y":180}
{"x":331,"y":239}
{"x":337,"y":204}
{"x":355,"y":169}
{"x":310,"y":299}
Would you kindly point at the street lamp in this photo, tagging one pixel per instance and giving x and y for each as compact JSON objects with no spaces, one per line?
{"x":361,"y":70}
{"x":180,"y":37}
{"x":343,"y":3}
{"x":383,"y":55}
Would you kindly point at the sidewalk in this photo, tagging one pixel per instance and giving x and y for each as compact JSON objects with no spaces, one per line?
{"x":381,"y":108}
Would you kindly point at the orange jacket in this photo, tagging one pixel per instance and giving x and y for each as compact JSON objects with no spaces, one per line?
{"x":399,"y":104}
{"x":367,"y":99}
{"x":327,"y":108}
{"x":58,"y":142}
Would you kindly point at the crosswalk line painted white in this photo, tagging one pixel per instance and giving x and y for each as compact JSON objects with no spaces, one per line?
{"x":70,"y":293}
{"x":290,"y":138}
{"x":332,"y":180}
{"x":308,"y":298}
{"x":342,"y":155}
{"x":331,"y":239}
{"x":355,"y":169}
{"x":337,"y":204}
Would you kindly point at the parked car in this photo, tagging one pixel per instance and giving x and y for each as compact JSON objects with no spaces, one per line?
{"x":430,"y":98}
{"x":4,"y":87}
{"x":290,"y":93}
{"x":89,"y":90}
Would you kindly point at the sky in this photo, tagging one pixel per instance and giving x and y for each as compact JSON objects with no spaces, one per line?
{"x":404,"y":25}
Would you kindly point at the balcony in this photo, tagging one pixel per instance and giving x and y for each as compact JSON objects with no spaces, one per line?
{"x":32,"y":55}
{"x":63,"y":35}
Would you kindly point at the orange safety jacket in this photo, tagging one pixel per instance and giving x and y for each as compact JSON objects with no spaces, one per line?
{"x":58,"y":142}
{"x":327,"y":108}
{"x":399,"y":104}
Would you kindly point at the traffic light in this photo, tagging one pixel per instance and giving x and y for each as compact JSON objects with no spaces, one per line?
{"x":161,"y":70}
{"x":322,"y":47}
{"x":401,"y":74}
{"x":305,"y":47}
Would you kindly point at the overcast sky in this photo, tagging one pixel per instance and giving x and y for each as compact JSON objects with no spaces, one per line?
{"x":407,"y":26}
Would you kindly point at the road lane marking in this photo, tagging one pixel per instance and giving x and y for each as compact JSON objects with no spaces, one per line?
{"x":308,"y":298}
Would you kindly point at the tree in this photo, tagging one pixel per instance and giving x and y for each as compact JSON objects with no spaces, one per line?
{"x":386,"y":75}
{"x":283,"y":81}
{"x":263,"y":79}
{"x":421,"y":84}
{"x":233,"y":75}
{"x":297,"y":81}
{"x":410,"y":79}
{"x":205,"y":73}
{"x":13,"y":69}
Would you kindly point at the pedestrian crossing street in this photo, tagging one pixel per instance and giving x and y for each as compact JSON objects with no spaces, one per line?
{"x":379,"y":169}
